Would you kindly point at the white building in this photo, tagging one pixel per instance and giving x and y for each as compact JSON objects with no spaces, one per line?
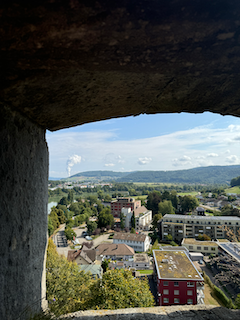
{"x":139,"y":242}
{"x":143,"y":217}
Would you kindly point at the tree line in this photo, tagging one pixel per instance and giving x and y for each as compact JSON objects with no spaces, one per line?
{"x":70,"y":290}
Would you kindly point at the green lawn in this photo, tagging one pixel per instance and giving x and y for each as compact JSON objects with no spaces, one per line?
{"x":194,"y":193}
{"x":233,"y":190}
{"x":145,"y":271}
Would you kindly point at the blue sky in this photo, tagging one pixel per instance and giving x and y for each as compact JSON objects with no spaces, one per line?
{"x":146,"y":142}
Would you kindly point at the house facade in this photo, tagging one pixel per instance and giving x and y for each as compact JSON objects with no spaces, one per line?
{"x":139,"y":242}
{"x":177,"y":280}
{"x":114,"y":252}
{"x":186,"y":226}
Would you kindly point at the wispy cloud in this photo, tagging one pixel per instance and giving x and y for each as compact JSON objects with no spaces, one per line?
{"x":200,"y":146}
{"x":144,"y":161}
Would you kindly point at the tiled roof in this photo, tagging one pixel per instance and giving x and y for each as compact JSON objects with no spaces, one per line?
{"x":129,"y":236}
{"x":73,"y":254}
{"x":106,"y":249}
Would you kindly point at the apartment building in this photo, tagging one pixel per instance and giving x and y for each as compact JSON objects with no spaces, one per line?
{"x":139,"y":242}
{"x":119,"y":203}
{"x":177,"y":279}
{"x":186,"y":226}
{"x":143,"y":217}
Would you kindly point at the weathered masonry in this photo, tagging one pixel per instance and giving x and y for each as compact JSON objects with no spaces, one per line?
{"x":65,"y":63}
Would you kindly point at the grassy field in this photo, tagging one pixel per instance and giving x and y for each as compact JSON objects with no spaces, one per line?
{"x":140,"y":197}
{"x":233,"y":190}
{"x":209,"y":298}
{"x":194,"y":193}
{"x":154,"y":184}
{"x":145,"y":271}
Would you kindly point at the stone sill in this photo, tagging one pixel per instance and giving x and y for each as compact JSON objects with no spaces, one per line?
{"x":196,"y":312}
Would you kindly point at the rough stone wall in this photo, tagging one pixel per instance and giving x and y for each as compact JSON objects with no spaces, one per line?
{"x":159,"y":313}
{"x":71,"y":62}
{"x":23,"y":214}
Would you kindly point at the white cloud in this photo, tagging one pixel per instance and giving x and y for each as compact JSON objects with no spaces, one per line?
{"x":143,"y":161}
{"x":183,"y":161}
{"x":184,"y":158}
{"x":212,"y":155}
{"x":188,"y":149}
{"x":232,"y":159}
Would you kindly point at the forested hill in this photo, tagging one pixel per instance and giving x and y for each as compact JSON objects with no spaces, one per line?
{"x":201,"y":175}
{"x":103,"y":175}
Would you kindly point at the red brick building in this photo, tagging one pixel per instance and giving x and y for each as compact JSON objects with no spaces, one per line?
{"x":177,"y":279}
{"x":117,"y":205}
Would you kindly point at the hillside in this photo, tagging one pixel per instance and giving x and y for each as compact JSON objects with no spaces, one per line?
{"x":201,"y":175}
{"x":99,"y":175}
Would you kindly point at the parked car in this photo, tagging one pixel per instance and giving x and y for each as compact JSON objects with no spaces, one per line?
{"x":88,"y":238}
{"x":84,"y":233}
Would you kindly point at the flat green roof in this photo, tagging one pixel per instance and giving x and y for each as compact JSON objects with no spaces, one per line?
{"x":175,"y":265}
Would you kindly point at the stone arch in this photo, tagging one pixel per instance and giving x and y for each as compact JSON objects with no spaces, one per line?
{"x":71,"y":62}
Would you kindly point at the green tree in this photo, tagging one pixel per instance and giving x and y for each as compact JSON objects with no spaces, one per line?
{"x":119,"y":289}
{"x":100,"y":194}
{"x":165,"y":207}
{"x":54,"y":219}
{"x":133,"y":222}
{"x":69,"y":233}
{"x":68,"y":289}
{"x":237,"y":301}
{"x":107,"y":198}
{"x":155,"y":220}
{"x":132,"y":230}
{"x":189,"y":203}
{"x":105,"y":218}
{"x":70,"y":196}
{"x":63,"y":201}
{"x":91,"y":226}
{"x":153,"y":200}
{"x":92,"y":199}
{"x":105,"y":264}
{"x":50,"y":226}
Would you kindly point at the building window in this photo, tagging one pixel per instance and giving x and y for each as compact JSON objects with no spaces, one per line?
{"x":176,"y":292}
{"x":190,"y":247}
{"x":165,"y":291}
{"x":213,"y":249}
{"x":165,"y":283}
{"x":165,"y":300}
{"x":205,"y":248}
{"x":189,"y":292}
{"x":176,"y":300}
{"x":190,"y":284}
{"x":175,"y":283}
{"x":189,"y":301}
{"x":198,"y":248}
